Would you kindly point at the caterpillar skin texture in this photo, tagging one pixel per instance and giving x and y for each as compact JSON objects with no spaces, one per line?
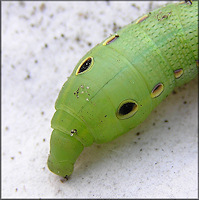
{"x":117,"y":84}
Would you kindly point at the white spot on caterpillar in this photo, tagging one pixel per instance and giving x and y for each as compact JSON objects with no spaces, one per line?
{"x":87,"y":99}
{"x":82,"y":86}
{"x":73,"y":131}
{"x":82,"y":92}
{"x":87,"y":87}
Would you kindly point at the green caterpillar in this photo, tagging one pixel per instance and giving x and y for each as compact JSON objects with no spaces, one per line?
{"x":117,"y":84}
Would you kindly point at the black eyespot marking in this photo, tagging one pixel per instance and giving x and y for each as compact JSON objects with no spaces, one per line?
{"x":126,"y":109}
{"x":178,"y":73}
{"x":85,"y":65}
{"x":157,"y":90}
{"x":111,"y":39}
{"x":188,"y":2}
{"x":142,"y":19}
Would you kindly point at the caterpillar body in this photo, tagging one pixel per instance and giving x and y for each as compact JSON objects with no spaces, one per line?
{"x":117,"y":84}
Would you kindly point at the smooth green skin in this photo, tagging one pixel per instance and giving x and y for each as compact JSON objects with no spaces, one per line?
{"x":145,"y":54}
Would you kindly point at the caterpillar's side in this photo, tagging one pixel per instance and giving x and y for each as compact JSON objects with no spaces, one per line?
{"x":117,"y":84}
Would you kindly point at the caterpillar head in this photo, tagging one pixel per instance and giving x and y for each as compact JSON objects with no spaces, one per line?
{"x":96,"y":104}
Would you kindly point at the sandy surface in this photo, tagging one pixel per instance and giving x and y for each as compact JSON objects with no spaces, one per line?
{"x":41,"y":44}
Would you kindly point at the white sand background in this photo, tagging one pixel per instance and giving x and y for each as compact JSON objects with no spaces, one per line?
{"x":41,"y":44}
